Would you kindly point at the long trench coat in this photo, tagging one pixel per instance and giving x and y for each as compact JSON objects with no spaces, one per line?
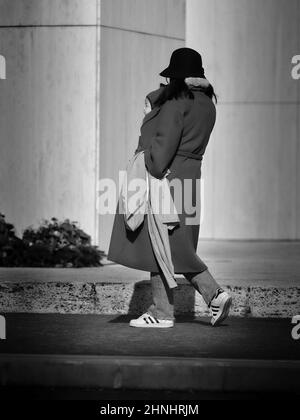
{"x":174,"y":136}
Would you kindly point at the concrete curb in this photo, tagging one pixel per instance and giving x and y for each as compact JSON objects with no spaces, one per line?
{"x":155,"y":373}
{"x":111,"y":297}
{"x":263,"y":278}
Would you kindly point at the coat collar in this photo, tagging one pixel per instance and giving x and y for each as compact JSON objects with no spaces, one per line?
{"x":153,"y":95}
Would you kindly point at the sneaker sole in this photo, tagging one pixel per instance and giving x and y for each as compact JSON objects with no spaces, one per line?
{"x":224,"y":314}
{"x":150,"y":326}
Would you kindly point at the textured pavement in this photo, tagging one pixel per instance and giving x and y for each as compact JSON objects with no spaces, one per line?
{"x":237,"y":338}
{"x":262,"y":277}
{"x":93,"y":352}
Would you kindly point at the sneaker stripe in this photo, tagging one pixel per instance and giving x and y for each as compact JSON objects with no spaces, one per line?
{"x":147,"y":321}
{"x":222,"y":315}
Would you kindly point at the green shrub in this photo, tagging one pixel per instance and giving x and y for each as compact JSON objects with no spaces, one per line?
{"x":53,"y":244}
{"x":11,"y":247}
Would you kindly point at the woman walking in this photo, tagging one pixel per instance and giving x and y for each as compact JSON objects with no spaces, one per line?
{"x":174,"y":137}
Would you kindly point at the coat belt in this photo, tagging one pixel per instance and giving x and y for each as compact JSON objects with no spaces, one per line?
{"x":189,"y":155}
{"x":180,"y":153}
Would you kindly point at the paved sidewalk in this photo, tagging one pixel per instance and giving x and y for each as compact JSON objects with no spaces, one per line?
{"x":262,"y":277}
{"x":58,"y":335}
{"x":252,"y":338}
{"x":92,"y":351}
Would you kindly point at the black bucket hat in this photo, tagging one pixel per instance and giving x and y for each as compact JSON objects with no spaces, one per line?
{"x":185,"y":62}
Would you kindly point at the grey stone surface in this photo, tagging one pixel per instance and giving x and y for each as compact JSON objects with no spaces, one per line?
{"x":164,"y":373}
{"x":118,"y":298}
{"x":262,"y":277}
{"x":104,"y":351}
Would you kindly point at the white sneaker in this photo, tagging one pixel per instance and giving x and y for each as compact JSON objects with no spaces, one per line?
{"x":220,"y":307}
{"x":148,"y":321}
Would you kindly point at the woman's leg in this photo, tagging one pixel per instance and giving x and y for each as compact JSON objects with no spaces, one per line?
{"x":215,"y":297}
{"x":205,"y":284}
{"x":163,"y":298}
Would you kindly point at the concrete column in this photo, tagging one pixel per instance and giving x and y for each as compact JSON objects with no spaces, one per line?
{"x":137,"y":39}
{"x":49,"y":111}
{"x":251,"y":169}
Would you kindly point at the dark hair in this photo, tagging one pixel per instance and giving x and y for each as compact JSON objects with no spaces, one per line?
{"x":177,"y":88}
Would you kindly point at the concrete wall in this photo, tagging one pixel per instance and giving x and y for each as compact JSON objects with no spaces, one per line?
{"x":49,"y":111}
{"x":252,"y":166}
{"x":137,"y":38}
{"x":52,"y":114}
{"x":50,"y":101}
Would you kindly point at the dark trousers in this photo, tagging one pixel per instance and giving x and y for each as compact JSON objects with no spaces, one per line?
{"x":163,"y":298}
